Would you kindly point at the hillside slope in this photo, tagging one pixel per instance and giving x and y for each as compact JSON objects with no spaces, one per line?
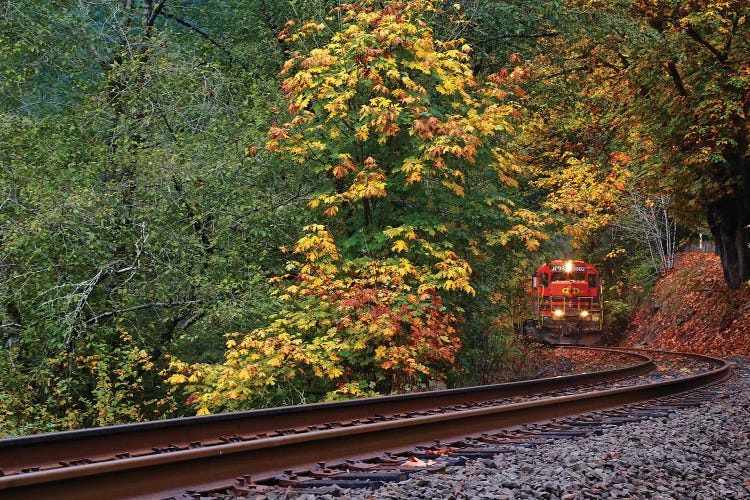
{"x":692,"y":310}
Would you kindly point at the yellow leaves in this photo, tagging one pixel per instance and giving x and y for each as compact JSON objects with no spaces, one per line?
{"x":380,"y":352}
{"x":362,"y":133}
{"x":424,"y":53}
{"x":400,"y":246}
{"x":312,"y":26}
{"x":615,"y":254}
{"x":413,"y":177}
{"x":456,"y":188}
{"x":365,"y":307}
{"x":381,"y":115}
{"x":337,"y":108}
{"x":370,"y":81}
{"x":276,"y":361}
{"x":392,"y":232}
{"x":177,"y":379}
{"x":367,"y":185}
{"x":589,"y":193}
{"x":532,"y":244}
{"x":460,"y":285}
{"x":413,"y":168}
{"x":529,"y":230}
{"x":505,"y":167}
{"x":203,"y":411}
{"x":317,"y":243}
{"x":451,"y":85}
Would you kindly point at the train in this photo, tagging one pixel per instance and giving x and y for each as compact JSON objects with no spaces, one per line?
{"x":563,"y":305}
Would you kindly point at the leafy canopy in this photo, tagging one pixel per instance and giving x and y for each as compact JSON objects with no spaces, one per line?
{"x":398,"y":125}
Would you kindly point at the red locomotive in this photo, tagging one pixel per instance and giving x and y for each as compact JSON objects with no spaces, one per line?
{"x":565,"y":302}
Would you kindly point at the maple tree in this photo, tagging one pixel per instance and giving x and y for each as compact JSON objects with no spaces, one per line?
{"x":412,"y":146}
{"x":395,"y":119}
{"x":384,"y":315}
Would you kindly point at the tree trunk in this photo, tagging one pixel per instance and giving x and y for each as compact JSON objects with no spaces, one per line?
{"x":728,"y":219}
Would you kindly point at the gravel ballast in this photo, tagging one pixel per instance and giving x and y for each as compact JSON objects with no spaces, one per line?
{"x":695,"y":453}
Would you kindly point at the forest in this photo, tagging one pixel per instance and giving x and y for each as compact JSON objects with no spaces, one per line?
{"x":210,"y":206}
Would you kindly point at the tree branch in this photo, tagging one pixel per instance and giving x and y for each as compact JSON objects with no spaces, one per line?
{"x":672,"y":68}
{"x":205,"y":35}
{"x":193,"y":319}
{"x":699,"y":38}
{"x":155,"y":12}
{"x":728,"y":45}
{"x":153,"y":305}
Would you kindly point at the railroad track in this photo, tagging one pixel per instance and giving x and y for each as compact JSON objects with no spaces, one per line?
{"x":235,"y":452}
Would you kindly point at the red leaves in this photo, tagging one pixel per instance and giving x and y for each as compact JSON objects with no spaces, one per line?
{"x":440,"y":452}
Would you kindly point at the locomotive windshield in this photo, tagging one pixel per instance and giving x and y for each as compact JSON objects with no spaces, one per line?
{"x":568,"y":276}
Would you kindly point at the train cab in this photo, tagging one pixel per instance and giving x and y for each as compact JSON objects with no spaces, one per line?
{"x":566,"y":303}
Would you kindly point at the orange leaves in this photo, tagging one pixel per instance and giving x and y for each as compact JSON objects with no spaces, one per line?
{"x":380,"y":110}
{"x":338,"y":171}
{"x":277,"y":132}
{"x":382,"y":115}
{"x":426,"y":128}
{"x":331,"y":211}
{"x":317,"y":61}
{"x":379,"y":319}
{"x":413,"y":169}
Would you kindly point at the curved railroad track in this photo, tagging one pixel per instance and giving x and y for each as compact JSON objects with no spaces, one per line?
{"x":174,"y":458}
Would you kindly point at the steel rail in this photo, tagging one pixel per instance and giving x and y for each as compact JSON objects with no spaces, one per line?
{"x":50,"y":450}
{"x":157,"y":476}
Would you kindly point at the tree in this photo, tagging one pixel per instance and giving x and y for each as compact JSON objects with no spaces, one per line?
{"x":418,"y":182}
{"x":133,"y":197}
{"x":676,"y":75}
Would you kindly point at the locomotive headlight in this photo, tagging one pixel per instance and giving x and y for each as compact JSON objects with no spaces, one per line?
{"x":569,"y":266}
{"x":584,"y":314}
{"x":558,"y":313}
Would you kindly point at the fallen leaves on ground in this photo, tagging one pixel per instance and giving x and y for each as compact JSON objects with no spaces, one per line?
{"x":416,"y":462}
{"x":691,"y":309}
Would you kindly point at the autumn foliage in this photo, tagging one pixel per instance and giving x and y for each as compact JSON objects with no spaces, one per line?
{"x":356,"y":329}
{"x":691,"y":309}
{"x":395,"y":123}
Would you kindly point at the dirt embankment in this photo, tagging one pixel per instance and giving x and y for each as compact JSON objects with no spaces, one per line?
{"x":692,"y":310}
